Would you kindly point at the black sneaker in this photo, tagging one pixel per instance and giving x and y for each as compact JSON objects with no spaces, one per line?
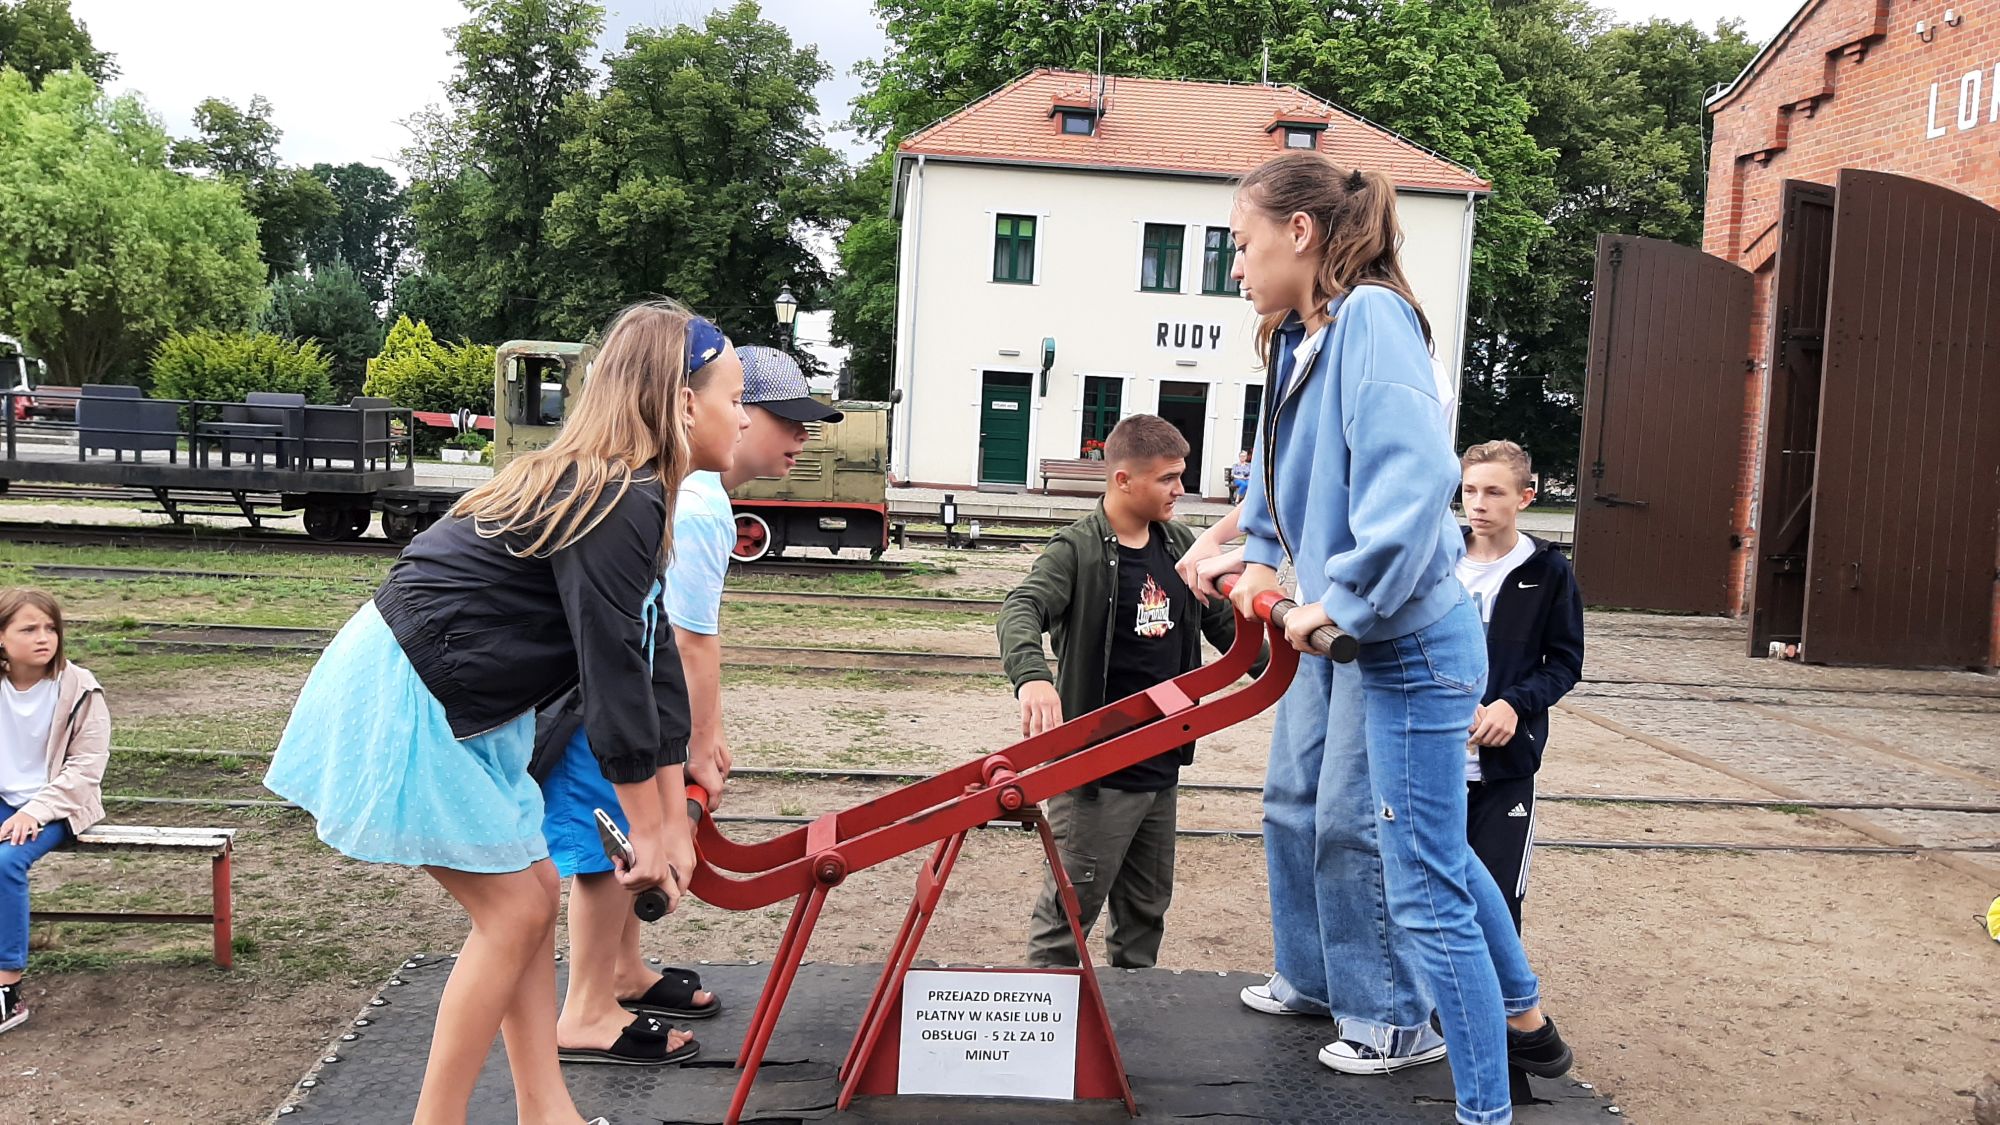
{"x":1540,"y":1052}
{"x":12,"y":1014}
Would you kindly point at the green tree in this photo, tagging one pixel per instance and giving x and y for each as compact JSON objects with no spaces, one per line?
{"x":329,"y":307}
{"x":864,"y":296}
{"x":370,"y":230}
{"x":225,"y":366}
{"x":239,"y":146}
{"x":104,"y":249}
{"x":430,"y":298}
{"x":695,"y":174}
{"x":485,"y":170}
{"x":40,"y":37}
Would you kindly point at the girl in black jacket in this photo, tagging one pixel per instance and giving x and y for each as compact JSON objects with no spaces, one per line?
{"x":410,"y":741}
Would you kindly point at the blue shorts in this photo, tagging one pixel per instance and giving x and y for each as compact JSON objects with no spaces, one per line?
{"x":571,"y":795}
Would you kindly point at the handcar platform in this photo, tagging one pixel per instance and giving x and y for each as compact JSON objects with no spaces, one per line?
{"x":1192,"y":1051}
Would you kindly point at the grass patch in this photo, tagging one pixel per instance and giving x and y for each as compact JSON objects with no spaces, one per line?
{"x":229,"y":730}
{"x":214,"y":558}
{"x":1793,"y":810}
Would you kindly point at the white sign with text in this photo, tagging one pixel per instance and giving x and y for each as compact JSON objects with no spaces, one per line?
{"x":988,"y":1034}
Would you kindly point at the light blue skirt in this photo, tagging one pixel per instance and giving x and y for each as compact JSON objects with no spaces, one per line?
{"x":369,"y":753}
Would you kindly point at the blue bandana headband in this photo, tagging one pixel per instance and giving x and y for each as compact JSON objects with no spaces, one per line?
{"x":704,"y":342}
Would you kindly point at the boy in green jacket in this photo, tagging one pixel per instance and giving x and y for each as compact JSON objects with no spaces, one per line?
{"x":1121,"y":621}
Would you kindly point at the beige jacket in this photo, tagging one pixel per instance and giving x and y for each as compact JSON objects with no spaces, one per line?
{"x":78,"y":748}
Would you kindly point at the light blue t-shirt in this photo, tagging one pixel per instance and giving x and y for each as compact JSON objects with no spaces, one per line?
{"x":704,"y":535}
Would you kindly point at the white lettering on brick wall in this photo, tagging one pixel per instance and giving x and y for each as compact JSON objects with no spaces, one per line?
{"x":1965,"y":104}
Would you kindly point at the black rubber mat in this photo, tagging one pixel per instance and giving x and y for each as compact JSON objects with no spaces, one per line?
{"x":1191,"y":1049}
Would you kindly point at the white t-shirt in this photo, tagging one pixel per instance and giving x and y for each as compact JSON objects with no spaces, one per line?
{"x":1483,"y":580}
{"x":24,"y":738}
{"x":704,"y":535}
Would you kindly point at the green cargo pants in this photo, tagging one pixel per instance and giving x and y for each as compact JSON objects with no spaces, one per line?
{"x":1117,"y":846}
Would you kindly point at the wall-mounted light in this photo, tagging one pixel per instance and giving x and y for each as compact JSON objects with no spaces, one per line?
{"x":1010,"y":351}
{"x":1952,"y":18}
{"x":1925,"y":31}
{"x":1184,"y":363}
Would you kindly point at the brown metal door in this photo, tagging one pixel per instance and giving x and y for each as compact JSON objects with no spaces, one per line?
{"x":1900,"y":569}
{"x":1791,"y":415}
{"x":1662,"y":427}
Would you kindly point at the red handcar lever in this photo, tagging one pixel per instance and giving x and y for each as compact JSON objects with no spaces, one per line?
{"x":1339,"y":647}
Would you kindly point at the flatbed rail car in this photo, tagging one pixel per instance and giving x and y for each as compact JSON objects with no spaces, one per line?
{"x":835,"y":497}
{"x":338,"y":465}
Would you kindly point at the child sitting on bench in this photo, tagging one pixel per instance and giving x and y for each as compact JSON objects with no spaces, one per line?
{"x":55,"y":737}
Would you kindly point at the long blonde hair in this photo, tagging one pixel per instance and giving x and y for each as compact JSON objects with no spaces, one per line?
{"x":1354,"y":223}
{"x":627,"y":426}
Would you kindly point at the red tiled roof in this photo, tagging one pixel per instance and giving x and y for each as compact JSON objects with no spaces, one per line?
{"x":1163,"y":125}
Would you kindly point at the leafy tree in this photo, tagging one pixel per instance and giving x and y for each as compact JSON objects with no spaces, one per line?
{"x":430,"y":298}
{"x":486,"y":169}
{"x":239,"y":146}
{"x":864,"y":296}
{"x":369,"y":231}
{"x":694,"y":175}
{"x":104,"y":249}
{"x":225,"y":366}
{"x":328,"y":307}
{"x":417,"y":372}
{"x":40,"y":37}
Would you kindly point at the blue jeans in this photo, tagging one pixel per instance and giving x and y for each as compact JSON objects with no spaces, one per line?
{"x":1420,"y":692}
{"x":1337,"y":953}
{"x":15,"y":859}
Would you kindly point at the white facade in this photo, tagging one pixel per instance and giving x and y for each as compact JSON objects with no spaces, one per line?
{"x":958,"y":329}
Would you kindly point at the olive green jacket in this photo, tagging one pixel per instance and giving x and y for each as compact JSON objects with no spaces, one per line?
{"x":1071,"y":594}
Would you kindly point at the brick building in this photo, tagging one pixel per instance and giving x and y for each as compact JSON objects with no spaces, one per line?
{"x":1904,"y":86}
{"x":1802,"y":423}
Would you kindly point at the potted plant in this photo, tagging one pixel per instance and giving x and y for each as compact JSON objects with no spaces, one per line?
{"x":1093,"y":449}
{"x":466,"y":448}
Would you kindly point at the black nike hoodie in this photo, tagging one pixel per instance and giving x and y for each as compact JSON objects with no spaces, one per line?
{"x":1534,"y":655}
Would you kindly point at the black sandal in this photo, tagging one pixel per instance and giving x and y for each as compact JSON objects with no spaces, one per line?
{"x":672,"y":996}
{"x":643,"y":1043}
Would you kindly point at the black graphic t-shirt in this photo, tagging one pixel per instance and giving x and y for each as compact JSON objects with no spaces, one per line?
{"x":1154,"y":606}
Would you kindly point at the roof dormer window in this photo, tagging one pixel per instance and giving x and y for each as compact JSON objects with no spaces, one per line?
{"x":1296,"y":137}
{"x":1078,"y":123}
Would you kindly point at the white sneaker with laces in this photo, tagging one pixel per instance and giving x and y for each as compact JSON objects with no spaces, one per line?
{"x":1349,"y":1057}
{"x":1258,"y":997}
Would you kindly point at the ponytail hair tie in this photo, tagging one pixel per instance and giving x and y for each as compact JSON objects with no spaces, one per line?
{"x":1355,"y":180}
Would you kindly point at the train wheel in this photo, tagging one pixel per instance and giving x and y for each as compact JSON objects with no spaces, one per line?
{"x":753,"y":538}
{"x":326,"y":523}
{"x":357,"y":523}
{"x":399,"y":527}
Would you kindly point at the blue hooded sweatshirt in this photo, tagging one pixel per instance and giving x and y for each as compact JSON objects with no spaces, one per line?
{"x":1354,"y":472}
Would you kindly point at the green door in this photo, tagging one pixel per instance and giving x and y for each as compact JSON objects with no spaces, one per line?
{"x":1003,"y":428}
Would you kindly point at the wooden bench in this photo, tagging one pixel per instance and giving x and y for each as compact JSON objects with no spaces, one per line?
{"x":212,"y":842}
{"x":1080,"y":469}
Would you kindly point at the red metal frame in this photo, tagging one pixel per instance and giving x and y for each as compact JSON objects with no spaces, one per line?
{"x":1008,"y":785}
{"x":221,"y":915}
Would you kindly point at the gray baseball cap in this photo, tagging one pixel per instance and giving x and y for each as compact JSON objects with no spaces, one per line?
{"x":772,"y":380}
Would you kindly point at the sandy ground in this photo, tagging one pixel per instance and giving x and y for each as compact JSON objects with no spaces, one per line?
{"x":1725,"y":987}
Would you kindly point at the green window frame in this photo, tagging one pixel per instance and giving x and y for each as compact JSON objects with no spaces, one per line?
{"x":1160,"y":258}
{"x":1218,"y":257}
{"x":1014,"y":249}
{"x":1103,"y":403}
{"x":1253,"y":406}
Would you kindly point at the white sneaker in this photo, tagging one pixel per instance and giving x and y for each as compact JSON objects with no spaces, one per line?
{"x":1349,"y":1057}
{"x":1257,"y":997}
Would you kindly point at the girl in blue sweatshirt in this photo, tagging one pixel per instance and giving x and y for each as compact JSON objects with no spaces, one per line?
{"x":1353,"y":478}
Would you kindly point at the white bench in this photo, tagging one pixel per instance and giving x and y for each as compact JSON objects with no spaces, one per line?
{"x":114,"y":838}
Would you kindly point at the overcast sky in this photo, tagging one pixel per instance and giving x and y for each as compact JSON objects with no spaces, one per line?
{"x":341,"y":74}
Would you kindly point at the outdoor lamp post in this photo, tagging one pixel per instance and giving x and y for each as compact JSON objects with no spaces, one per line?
{"x":948,"y":516}
{"x":788,"y":314}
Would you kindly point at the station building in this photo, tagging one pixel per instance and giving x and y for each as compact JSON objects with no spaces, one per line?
{"x":1065,"y":261}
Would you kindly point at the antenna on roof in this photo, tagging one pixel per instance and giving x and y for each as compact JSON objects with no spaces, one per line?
{"x":1265,"y":78}
{"x":1100,"y":74}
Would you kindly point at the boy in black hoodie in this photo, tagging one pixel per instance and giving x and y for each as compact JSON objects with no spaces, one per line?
{"x":1527,"y":596}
